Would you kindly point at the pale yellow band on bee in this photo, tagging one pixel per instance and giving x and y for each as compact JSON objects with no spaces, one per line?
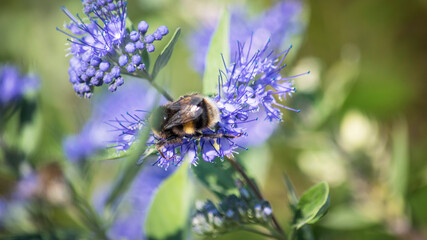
{"x":189,"y":128}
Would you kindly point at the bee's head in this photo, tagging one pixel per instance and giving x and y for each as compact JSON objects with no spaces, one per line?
{"x":157,"y":119}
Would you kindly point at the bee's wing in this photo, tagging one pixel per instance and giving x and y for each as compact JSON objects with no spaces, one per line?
{"x":193,"y":99}
{"x":187,"y":114}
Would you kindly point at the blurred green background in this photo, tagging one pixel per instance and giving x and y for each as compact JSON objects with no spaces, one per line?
{"x":362,"y":122}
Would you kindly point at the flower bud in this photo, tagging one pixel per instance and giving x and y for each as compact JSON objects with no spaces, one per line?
{"x":143,"y":27}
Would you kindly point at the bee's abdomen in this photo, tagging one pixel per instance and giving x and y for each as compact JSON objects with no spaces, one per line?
{"x":189,"y":128}
{"x":212,"y":113}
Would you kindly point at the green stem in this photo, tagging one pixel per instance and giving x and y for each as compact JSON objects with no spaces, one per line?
{"x":3,"y":144}
{"x":162,"y":91}
{"x":293,"y":234}
{"x":90,"y":217}
{"x":91,"y":222}
{"x":147,"y":76}
{"x":131,"y":170}
{"x":254,"y":188}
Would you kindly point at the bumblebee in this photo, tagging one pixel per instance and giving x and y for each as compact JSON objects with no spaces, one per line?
{"x":185,"y":118}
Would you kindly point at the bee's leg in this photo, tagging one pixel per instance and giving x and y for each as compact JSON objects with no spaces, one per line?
{"x":198,"y":135}
{"x":220,"y":135}
{"x":232,"y":136}
{"x":161,"y":144}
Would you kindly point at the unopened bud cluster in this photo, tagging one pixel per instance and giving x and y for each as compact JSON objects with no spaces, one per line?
{"x":104,"y":47}
{"x":231,"y":213}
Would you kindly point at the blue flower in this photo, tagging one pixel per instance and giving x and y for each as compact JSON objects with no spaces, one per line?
{"x":278,"y":23}
{"x":101,"y":46}
{"x":4,"y":208}
{"x":26,"y":187}
{"x":248,"y":86}
{"x":274,"y":26}
{"x":13,"y":85}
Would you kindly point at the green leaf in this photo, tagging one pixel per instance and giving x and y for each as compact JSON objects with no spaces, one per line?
{"x":145,"y":58}
{"x":313,"y":205}
{"x":166,"y":54}
{"x":214,"y":62}
{"x":129,"y":25}
{"x":305,"y":231}
{"x":30,"y":126}
{"x":150,"y":151}
{"x":217,"y":177}
{"x":292,"y":194}
{"x":170,"y":207}
{"x":113,"y":154}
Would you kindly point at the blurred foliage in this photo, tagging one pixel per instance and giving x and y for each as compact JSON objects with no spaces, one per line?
{"x":170,"y":208}
{"x":361,"y":127}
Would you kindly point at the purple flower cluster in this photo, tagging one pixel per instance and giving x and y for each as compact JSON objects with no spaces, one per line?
{"x":103,"y":48}
{"x":130,"y":125}
{"x":278,"y":23}
{"x":104,"y":6}
{"x":13,"y":85}
{"x":247,"y":86}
